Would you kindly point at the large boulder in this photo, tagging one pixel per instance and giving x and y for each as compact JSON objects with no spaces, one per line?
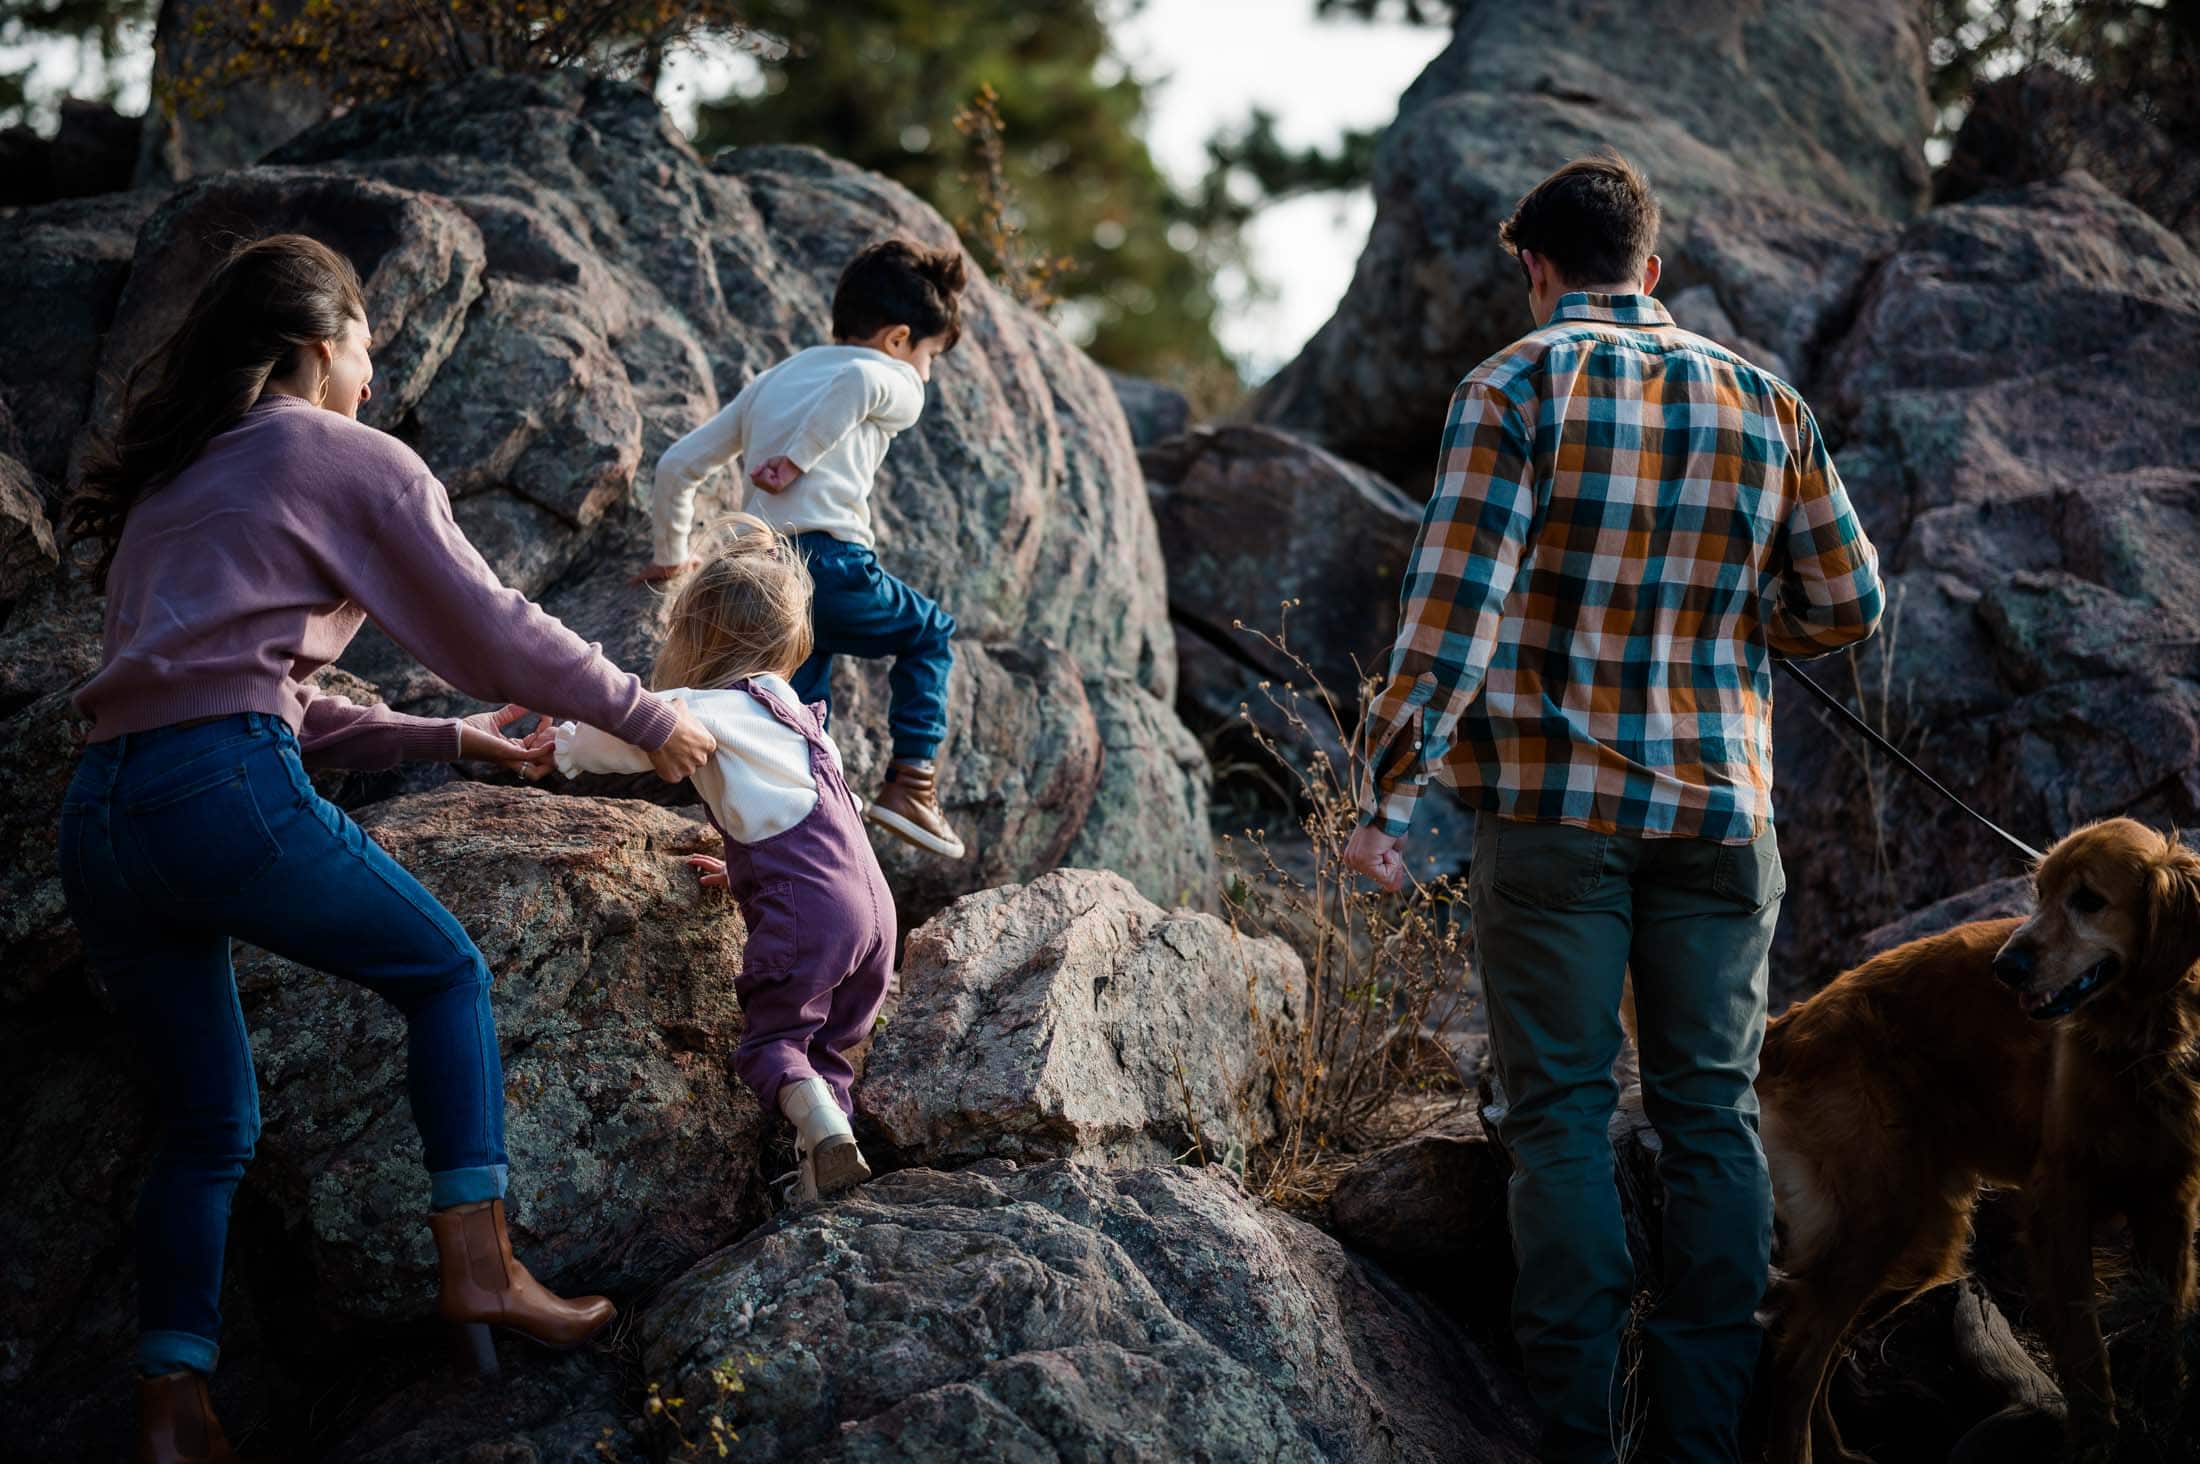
{"x":62,"y":270}
{"x":2036,"y":518}
{"x":2042,"y":122}
{"x":1064,"y":1311}
{"x":625,"y":290}
{"x":1072,"y":1018}
{"x":1782,"y":139}
{"x":633,"y":1151}
{"x":93,"y":150}
{"x":1264,"y":532}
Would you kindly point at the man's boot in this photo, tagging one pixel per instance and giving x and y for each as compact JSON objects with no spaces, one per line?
{"x":485,"y":1286}
{"x":176,"y":1423}
{"x":908,"y":806}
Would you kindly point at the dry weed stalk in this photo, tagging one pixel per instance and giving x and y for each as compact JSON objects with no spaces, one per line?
{"x":1026,"y":271}
{"x":1386,"y":974}
{"x":1891,"y":712}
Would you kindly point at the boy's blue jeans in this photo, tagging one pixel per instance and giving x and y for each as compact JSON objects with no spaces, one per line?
{"x":1561,"y":914}
{"x":861,"y":610}
{"x":177,"y":840}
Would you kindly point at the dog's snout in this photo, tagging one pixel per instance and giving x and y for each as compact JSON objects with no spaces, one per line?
{"x":2013,"y":967}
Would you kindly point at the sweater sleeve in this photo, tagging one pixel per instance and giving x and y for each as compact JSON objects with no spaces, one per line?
{"x":335,"y":732}
{"x":684,"y":468}
{"x":420,"y":579}
{"x":883,"y":390}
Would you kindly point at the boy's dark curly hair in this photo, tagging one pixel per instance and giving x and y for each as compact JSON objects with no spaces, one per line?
{"x":896,"y":283}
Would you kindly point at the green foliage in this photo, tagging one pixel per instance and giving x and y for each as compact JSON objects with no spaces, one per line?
{"x":881,"y":83}
{"x":1413,"y":12}
{"x":1252,"y":167}
{"x":360,"y":50}
{"x":2146,"y":52}
{"x":104,"y":30}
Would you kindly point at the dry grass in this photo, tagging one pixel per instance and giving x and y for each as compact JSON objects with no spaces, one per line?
{"x":1889,"y":707}
{"x":1369,"y":1061}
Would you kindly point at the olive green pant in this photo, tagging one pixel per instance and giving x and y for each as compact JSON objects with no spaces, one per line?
{"x":1561,"y":914}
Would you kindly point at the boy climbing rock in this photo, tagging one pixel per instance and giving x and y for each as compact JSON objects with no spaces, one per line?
{"x":816,"y":427}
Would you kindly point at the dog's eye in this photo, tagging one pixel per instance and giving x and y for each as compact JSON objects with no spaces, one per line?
{"x":2087,"y":901}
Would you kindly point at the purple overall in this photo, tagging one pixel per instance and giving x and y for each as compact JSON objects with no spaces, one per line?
{"x":820,"y":951}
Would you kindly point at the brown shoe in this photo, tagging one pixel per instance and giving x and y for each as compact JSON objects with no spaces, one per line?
{"x":176,"y":1423}
{"x":484,"y":1285}
{"x":908,"y":806}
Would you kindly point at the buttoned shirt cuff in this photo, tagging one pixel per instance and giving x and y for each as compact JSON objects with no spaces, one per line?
{"x":1391,"y":809}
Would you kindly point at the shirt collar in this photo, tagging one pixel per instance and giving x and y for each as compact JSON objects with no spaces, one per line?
{"x":1610,"y":309}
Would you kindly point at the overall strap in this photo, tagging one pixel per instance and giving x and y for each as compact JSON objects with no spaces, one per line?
{"x":804,"y":721}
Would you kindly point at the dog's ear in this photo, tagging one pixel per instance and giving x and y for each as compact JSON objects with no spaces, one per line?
{"x":2173,"y":915}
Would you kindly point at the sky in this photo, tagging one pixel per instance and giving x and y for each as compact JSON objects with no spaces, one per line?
{"x":1222,"y":58}
{"x":1207,"y":64}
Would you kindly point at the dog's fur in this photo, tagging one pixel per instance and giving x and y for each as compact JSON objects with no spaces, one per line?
{"x":1892,"y":1095}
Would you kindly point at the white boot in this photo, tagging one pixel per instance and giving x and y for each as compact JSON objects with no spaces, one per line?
{"x":823,"y":1142}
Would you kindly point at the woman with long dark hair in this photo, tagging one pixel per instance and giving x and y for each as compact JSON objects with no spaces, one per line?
{"x":248,"y":524}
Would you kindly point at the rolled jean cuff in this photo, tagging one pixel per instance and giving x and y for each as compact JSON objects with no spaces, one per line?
{"x":159,"y":1353}
{"x":450,"y":1187}
{"x":917,"y":749}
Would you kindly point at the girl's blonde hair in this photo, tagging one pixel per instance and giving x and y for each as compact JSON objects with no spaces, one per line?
{"x":745,"y":612}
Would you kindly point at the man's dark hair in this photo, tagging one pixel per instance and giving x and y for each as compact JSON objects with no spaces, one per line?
{"x":896,"y":283}
{"x":1594,"y":220}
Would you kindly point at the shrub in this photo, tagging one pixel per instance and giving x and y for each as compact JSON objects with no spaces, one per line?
{"x":1371,"y":1062}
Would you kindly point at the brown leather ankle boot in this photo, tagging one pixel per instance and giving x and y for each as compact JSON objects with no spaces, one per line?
{"x":176,"y":1423}
{"x":908,"y":806}
{"x":485,"y":1286}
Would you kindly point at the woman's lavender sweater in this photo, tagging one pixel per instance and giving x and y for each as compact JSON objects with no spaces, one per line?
{"x":255,"y":566}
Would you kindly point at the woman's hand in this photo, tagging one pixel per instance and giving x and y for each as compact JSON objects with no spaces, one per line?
{"x":1375,"y":854}
{"x":482,"y":738}
{"x":776,"y":475}
{"x":712,"y":870}
{"x":687,"y":749}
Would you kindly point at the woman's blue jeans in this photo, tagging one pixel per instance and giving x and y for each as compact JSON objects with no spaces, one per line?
{"x":177,"y":840}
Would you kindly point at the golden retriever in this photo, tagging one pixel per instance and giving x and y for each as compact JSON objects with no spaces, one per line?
{"x":2054,"y":1055}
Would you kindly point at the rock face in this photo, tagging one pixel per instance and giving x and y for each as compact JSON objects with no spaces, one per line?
{"x":623,"y":291}
{"x":1071,"y":1018}
{"x":1252,"y":518}
{"x":94,"y":150}
{"x":2036,"y":517}
{"x":632,"y":1151}
{"x":1069,"y":1312}
{"x":1155,"y":409}
{"x":1781,"y":138}
{"x":2041,"y":123}
{"x":62,"y":269}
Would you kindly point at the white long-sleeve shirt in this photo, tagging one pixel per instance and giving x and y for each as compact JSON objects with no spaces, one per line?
{"x":830,"y":410}
{"x":758,"y":782}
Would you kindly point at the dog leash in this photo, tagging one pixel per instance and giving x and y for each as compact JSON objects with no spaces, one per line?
{"x":1872,"y":736}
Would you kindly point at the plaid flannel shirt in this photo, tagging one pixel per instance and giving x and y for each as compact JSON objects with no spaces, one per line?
{"x":1628,"y":523}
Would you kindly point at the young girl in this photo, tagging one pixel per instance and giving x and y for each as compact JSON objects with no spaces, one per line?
{"x":821,"y":920}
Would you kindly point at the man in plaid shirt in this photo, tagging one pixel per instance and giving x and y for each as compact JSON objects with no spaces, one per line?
{"x":1629,"y":523}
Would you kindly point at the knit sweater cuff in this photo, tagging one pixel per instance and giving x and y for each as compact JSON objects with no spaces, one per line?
{"x":649,"y":726}
{"x":429,"y":741}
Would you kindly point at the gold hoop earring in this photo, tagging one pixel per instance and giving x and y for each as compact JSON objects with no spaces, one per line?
{"x":320,"y":393}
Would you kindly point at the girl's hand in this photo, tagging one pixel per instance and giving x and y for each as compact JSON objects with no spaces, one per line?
{"x":687,"y":749}
{"x":482,"y":738}
{"x":776,"y":475}
{"x":712,"y":870}
{"x":651,"y":574}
